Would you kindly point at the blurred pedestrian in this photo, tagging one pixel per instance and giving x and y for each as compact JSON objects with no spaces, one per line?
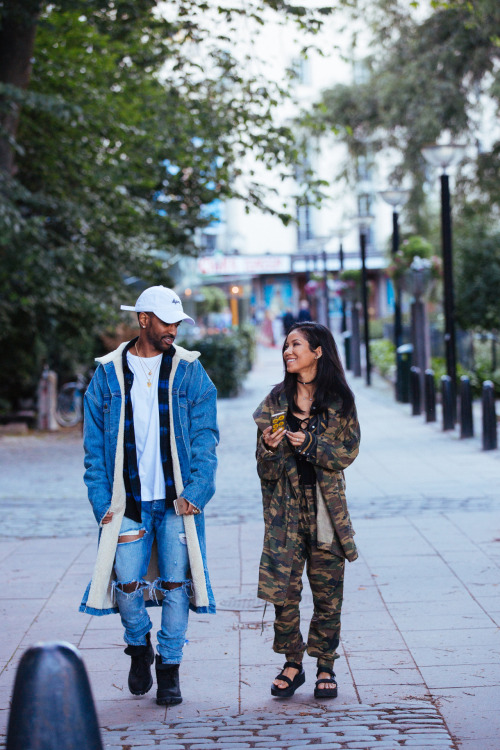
{"x":150,"y":435}
{"x":304,"y":311}
{"x":301,"y":468}
{"x":288,"y":320}
{"x":267,"y":329}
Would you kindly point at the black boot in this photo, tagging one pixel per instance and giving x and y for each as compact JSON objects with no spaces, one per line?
{"x":167,"y":678}
{"x":139,"y":677}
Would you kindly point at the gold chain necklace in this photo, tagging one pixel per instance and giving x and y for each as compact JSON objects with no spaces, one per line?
{"x":149,"y":374}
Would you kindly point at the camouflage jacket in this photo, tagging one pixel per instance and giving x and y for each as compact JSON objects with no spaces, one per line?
{"x":331,"y":444}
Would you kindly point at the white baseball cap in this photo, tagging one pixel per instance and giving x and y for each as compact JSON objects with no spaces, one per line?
{"x":163,"y":302}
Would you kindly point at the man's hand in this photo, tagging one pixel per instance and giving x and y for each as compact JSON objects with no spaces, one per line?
{"x":185,"y":507}
{"x":107,"y":518}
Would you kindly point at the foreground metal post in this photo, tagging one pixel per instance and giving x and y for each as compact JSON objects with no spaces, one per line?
{"x":355,"y":342}
{"x":366,"y":316}
{"x":52,"y":706}
{"x":447,"y":397}
{"x":403,"y":360}
{"x":466,"y":418}
{"x":430,"y":396}
{"x":347,"y":349}
{"x":415,"y":391}
{"x":449,"y":303}
{"x":490,"y":437}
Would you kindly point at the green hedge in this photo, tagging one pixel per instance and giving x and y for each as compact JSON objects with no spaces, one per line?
{"x":383,"y":355}
{"x":227,"y":358}
{"x":382,"y":352}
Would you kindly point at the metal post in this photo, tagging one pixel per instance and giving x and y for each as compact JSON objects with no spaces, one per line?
{"x":52,"y":706}
{"x":355,"y":341}
{"x":490,"y":436}
{"x":398,"y":325}
{"x":415,"y":391}
{"x":325,"y":290}
{"x":420,"y":335}
{"x":466,"y":419}
{"x":449,"y":304}
{"x":430,"y":396}
{"x":342,"y":304}
{"x":447,"y":395}
{"x":364,"y":281}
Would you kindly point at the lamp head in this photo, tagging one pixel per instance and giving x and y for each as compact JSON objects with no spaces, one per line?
{"x":445,"y":155}
{"x":395,"y":197}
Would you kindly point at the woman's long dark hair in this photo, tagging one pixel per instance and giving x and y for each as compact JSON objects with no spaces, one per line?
{"x":330,"y":380}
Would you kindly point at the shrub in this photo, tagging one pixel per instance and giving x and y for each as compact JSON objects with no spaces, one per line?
{"x":383,"y":354}
{"x":227,"y":357}
{"x":247,"y":335}
{"x":210,"y":299}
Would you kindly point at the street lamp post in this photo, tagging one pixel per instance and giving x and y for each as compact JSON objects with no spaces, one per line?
{"x":396,"y":198}
{"x":364,"y":283}
{"x":444,"y":156}
{"x":340,"y":234}
{"x":363,"y":220}
{"x":326,"y":296}
{"x":342,"y":303}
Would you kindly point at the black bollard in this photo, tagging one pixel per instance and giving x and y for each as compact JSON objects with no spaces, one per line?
{"x":466,"y":418}
{"x":52,"y":706}
{"x":490,"y":438}
{"x":447,"y":403}
{"x":347,"y":349}
{"x":403,"y":376}
{"x":415,"y":391}
{"x":430,"y":396}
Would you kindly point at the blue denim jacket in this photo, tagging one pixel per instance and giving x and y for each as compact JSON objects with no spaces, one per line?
{"x":195,"y":434}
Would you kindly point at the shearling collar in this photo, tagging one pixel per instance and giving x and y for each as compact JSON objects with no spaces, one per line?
{"x":115,"y":356}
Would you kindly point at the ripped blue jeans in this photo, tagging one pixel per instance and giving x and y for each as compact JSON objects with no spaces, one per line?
{"x":131,"y":565}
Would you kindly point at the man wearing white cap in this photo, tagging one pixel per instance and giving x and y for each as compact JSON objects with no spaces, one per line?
{"x":150,"y":435}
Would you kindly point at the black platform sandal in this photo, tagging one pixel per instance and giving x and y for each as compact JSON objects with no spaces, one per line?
{"x":297,"y":681}
{"x":326,"y":692}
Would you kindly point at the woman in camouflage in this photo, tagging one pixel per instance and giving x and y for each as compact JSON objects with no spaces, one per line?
{"x":301,"y":468}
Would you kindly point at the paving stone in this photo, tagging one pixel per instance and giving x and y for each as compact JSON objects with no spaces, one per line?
{"x":410,"y":517}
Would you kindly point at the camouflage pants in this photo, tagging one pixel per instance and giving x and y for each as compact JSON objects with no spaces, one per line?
{"x":325,"y":572}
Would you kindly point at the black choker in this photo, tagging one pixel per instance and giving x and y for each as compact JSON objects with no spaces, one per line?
{"x":304,"y":383}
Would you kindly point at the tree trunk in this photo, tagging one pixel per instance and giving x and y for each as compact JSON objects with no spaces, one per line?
{"x":17,"y":42}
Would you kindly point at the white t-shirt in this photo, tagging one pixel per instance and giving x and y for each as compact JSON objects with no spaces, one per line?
{"x":147,"y":425}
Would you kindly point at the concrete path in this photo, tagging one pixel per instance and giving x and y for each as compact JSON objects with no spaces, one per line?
{"x":421,"y":620}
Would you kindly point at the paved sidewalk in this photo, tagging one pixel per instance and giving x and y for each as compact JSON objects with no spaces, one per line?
{"x":421,"y":619}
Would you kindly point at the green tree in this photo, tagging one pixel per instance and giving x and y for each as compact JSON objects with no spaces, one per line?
{"x":114,"y":141}
{"x":423,"y":77}
{"x":477,"y":274}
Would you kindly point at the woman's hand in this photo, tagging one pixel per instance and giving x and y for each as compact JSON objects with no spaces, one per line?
{"x":273,"y":439}
{"x":296,"y":438}
{"x":107,"y":518}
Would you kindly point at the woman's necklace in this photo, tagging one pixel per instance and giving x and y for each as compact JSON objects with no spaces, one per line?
{"x":149,"y":374}
{"x":310,"y":398}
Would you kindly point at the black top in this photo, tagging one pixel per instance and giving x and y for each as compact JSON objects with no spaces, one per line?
{"x":305,"y":469}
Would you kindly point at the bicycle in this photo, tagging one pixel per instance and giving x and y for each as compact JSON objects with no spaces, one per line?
{"x":69,"y":410}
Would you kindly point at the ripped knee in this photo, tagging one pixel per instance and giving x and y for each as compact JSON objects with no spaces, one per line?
{"x":131,"y":536}
{"x":169,"y":585}
{"x":128,"y":588}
